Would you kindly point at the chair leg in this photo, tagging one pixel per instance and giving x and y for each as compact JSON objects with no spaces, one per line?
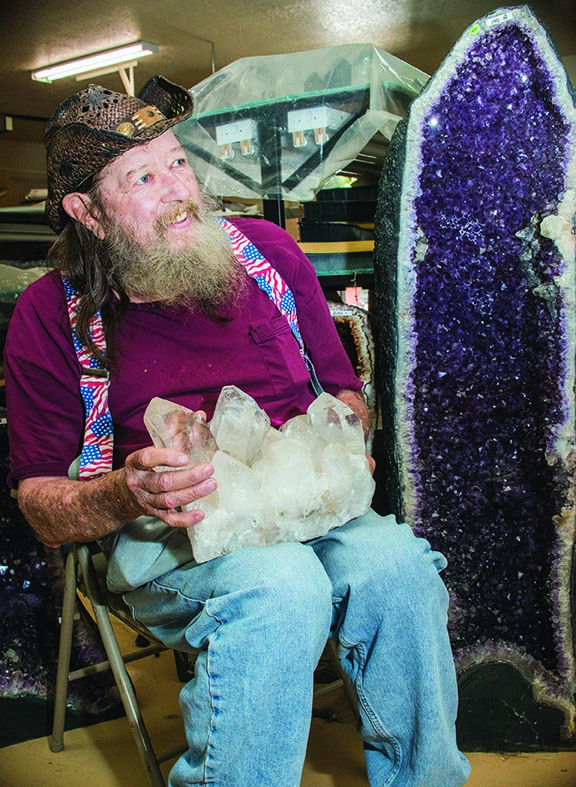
{"x":56,"y":740}
{"x":346,"y":683}
{"x":118,"y":667}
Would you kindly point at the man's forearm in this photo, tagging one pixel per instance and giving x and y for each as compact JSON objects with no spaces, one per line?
{"x":61,"y":510}
{"x":156,"y":481}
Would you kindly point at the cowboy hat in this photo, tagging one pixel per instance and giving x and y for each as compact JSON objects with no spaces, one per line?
{"x":93,"y":127}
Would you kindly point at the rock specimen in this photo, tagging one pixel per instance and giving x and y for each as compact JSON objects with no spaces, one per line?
{"x":292,"y":484}
{"x":475,"y":280}
{"x":31,"y":588}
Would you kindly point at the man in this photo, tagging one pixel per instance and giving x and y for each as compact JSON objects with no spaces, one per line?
{"x":182,"y":316}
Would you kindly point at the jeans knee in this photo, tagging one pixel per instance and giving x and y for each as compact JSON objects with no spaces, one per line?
{"x":284,"y":584}
{"x":375,"y":558}
{"x":298,"y":584}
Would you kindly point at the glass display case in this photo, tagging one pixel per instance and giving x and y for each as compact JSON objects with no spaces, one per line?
{"x":24,"y":242}
{"x":278,"y":126}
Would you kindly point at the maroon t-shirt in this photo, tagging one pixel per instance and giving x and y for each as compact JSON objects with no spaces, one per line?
{"x":171,"y":353}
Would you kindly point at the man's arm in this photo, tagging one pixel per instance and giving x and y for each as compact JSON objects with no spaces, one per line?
{"x":61,"y":510}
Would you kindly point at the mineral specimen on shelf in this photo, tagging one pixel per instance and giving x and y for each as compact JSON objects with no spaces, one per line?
{"x":475,"y":287}
{"x":354,"y":326}
{"x":292,"y":484}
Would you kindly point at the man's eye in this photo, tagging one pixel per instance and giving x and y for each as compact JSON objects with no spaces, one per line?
{"x":180,"y":162}
{"x":143,"y":179}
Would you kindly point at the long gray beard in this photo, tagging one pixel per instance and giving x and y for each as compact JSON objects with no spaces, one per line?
{"x":204,"y":274}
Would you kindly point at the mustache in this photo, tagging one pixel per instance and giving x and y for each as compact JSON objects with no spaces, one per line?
{"x":174,"y":211}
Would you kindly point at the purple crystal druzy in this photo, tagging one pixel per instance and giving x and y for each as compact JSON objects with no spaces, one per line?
{"x":31,"y":591}
{"x":487,"y":366}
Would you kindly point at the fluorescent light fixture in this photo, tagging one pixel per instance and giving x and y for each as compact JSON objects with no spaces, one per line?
{"x":102,"y":60}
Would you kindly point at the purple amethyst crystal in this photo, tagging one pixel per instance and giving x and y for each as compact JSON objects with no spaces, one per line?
{"x":475,"y":280}
{"x":31,"y":591}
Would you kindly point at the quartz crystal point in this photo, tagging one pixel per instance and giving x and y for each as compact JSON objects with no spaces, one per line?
{"x":335,"y":422}
{"x":239,"y":425}
{"x":172,"y":426}
{"x":475,"y":296}
{"x":292,"y":484}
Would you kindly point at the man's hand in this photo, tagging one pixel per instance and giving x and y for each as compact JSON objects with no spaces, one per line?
{"x":355,"y":401}
{"x":161,"y":489}
{"x":61,"y":510}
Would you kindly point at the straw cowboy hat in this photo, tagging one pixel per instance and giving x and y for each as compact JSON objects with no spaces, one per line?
{"x":93,"y":127}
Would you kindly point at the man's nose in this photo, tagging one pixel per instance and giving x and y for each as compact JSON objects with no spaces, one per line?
{"x":176,"y":187}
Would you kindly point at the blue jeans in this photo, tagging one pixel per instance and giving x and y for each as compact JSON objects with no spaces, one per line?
{"x":260,"y":618}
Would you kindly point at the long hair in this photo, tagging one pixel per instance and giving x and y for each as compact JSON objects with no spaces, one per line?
{"x":82,"y":257}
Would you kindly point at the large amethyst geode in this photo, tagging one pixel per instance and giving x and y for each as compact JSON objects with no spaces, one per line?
{"x":475,"y":280}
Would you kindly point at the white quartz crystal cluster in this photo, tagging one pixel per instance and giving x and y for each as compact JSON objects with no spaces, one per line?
{"x":291,"y":484}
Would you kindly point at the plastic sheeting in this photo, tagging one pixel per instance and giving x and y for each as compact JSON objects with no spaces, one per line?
{"x":281,"y":125}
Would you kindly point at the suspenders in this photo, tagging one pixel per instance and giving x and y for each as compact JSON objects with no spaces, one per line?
{"x":96,"y":456}
{"x":270,"y":282}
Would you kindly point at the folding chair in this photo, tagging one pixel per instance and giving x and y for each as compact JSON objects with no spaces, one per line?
{"x":85,"y":574}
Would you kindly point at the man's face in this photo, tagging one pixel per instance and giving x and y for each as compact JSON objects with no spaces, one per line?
{"x":151,"y":192}
{"x":162,"y":239}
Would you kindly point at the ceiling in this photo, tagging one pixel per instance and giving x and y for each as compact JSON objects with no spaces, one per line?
{"x":42,"y":32}
{"x":196,"y":36}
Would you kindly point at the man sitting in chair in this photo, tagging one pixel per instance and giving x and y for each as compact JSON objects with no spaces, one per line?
{"x":150,"y":295}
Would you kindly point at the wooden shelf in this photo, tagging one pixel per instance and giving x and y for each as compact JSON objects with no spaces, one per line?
{"x":346,"y":262}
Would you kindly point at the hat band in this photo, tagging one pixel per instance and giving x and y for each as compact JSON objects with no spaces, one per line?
{"x":144,"y":118}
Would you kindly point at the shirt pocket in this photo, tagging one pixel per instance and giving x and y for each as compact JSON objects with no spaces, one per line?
{"x":280,"y":354}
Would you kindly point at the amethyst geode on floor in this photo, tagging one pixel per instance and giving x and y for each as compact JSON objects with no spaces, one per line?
{"x":475,"y":282}
{"x":31,"y":590}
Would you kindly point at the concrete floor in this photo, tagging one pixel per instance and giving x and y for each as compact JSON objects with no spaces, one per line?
{"x":103,"y":755}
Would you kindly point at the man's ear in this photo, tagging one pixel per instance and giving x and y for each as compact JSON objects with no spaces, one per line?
{"x":80,"y":207}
